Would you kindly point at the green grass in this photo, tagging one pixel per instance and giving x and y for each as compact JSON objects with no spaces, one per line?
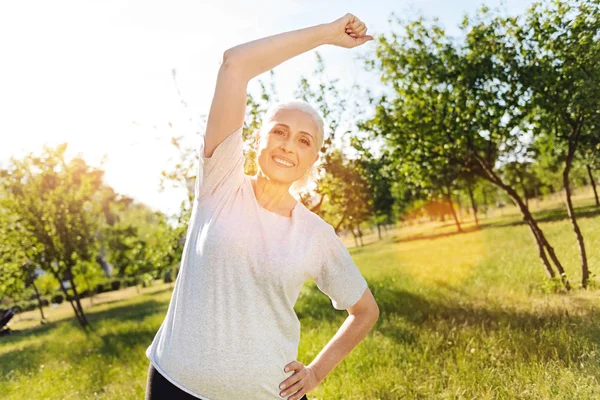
{"x":463,"y":316}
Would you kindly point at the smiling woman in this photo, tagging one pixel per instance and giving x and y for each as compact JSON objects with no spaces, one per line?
{"x":293,"y":132}
{"x":231,"y":331}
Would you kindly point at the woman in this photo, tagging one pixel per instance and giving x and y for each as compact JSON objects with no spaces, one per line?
{"x":231,"y":331}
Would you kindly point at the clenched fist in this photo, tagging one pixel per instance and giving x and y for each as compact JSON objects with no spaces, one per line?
{"x":348,"y":31}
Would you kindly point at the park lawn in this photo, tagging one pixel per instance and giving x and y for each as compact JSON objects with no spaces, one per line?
{"x":463,"y":316}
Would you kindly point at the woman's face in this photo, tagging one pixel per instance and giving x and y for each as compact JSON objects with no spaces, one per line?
{"x":290,"y":135}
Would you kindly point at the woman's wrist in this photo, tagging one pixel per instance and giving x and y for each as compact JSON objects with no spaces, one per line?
{"x":326,"y":33}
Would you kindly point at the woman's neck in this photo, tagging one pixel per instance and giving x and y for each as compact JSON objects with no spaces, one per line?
{"x":272,"y":196}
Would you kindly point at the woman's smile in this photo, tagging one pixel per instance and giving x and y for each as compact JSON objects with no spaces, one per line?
{"x":282,"y":162}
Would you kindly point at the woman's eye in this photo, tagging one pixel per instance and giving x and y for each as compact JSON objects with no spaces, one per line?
{"x":306,"y":142}
{"x":278,"y":132}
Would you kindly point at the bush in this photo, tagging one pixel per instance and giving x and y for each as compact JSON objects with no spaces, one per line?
{"x":34,"y":299}
{"x":100,"y":288}
{"x":103,"y":287}
{"x":147,"y":279}
{"x":27,"y":305}
{"x":115,"y":285}
{"x":548,"y":286}
{"x":58,"y":298}
{"x":593,"y":282}
{"x":168,"y":276}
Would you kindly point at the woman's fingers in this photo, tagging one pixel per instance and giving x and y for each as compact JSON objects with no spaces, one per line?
{"x":353,"y":25}
{"x":292,"y":384}
{"x":358,"y":30}
{"x":358,"y":26}
{"x":292,"y":389}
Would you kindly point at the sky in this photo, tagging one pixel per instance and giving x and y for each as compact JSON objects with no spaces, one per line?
{"x":99,"y":74}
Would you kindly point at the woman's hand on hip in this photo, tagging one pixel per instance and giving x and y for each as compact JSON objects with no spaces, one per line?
{"x":348,"y":31}
{"x":303,"y":380}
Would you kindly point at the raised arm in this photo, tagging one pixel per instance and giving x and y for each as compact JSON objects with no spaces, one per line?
{"x":245,"y":61}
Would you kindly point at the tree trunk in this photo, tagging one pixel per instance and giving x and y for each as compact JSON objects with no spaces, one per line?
{"x":473,"y":203}
{"x":522,"y":182}
{"x":542,"y":254}
{"x":460,"y":209}
{"x":449,"y":200}
{"x":318,"y":205}
{"x":90,"y":290}
{"x":589,"y":170}
{"x":538,"y":235}
{"x":37,"y":294}
{"x":64,"y":290}
{"x":537,"y":231}
{"x":354,"y":234}
{"x":339,"y":224}
{"x":77,"y":300}
{"x":379,"y":231}
{"x":584,"y":264}
{"x":485,"y":202}
{"x":360,"y":235}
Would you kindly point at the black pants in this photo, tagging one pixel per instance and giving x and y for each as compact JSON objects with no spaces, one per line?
{"x":159,"y":388}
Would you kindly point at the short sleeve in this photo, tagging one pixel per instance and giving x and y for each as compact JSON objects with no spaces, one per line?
{"x":224,"y":169}
{"x":338,"y":276}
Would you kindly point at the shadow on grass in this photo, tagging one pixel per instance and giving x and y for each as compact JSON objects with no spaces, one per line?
{"x":315,"y":305}
{"x":553,"y":215}
{"x":126,"y":312}
{"x":89,"y":310}
{"x":416,"y":312}
{"x":152,"y":294}
{"x":22,"y":334}
{"x":439,"y":316}
{"x":27,"y":359}
{"x":556,"y":214}
{"x":22,"y":361}
{"x":137,"y":311}
{"x":425,"y":236}
{"x":402,"y":313}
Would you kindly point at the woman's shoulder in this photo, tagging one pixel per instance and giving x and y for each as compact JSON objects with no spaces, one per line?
{"x":315,"y":223}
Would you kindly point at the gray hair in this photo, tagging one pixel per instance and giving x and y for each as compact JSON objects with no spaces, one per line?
{"x":312,"y":173}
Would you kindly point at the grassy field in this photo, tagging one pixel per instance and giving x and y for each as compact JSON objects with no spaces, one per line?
{"x":463,"y":316}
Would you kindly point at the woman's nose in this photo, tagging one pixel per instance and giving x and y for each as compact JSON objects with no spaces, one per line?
{"x":286,"y":145}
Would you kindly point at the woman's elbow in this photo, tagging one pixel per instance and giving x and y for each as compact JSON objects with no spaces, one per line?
{"x":231,"y":55}
{"x":233,"y":66}
{"x":226,"y":55}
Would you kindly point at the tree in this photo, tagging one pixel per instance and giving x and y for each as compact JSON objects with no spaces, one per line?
{"x":349,"y":196}
{"x":375,"y":171}
{"x":52,"y":208}
{"x":558,"y":62}
{"x":456,"y":104}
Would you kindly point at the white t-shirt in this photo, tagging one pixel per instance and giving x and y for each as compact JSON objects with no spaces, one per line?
{"x":231,"y":326}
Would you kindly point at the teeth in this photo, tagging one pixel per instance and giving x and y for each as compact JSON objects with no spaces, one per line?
{"x":279,"y":160}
